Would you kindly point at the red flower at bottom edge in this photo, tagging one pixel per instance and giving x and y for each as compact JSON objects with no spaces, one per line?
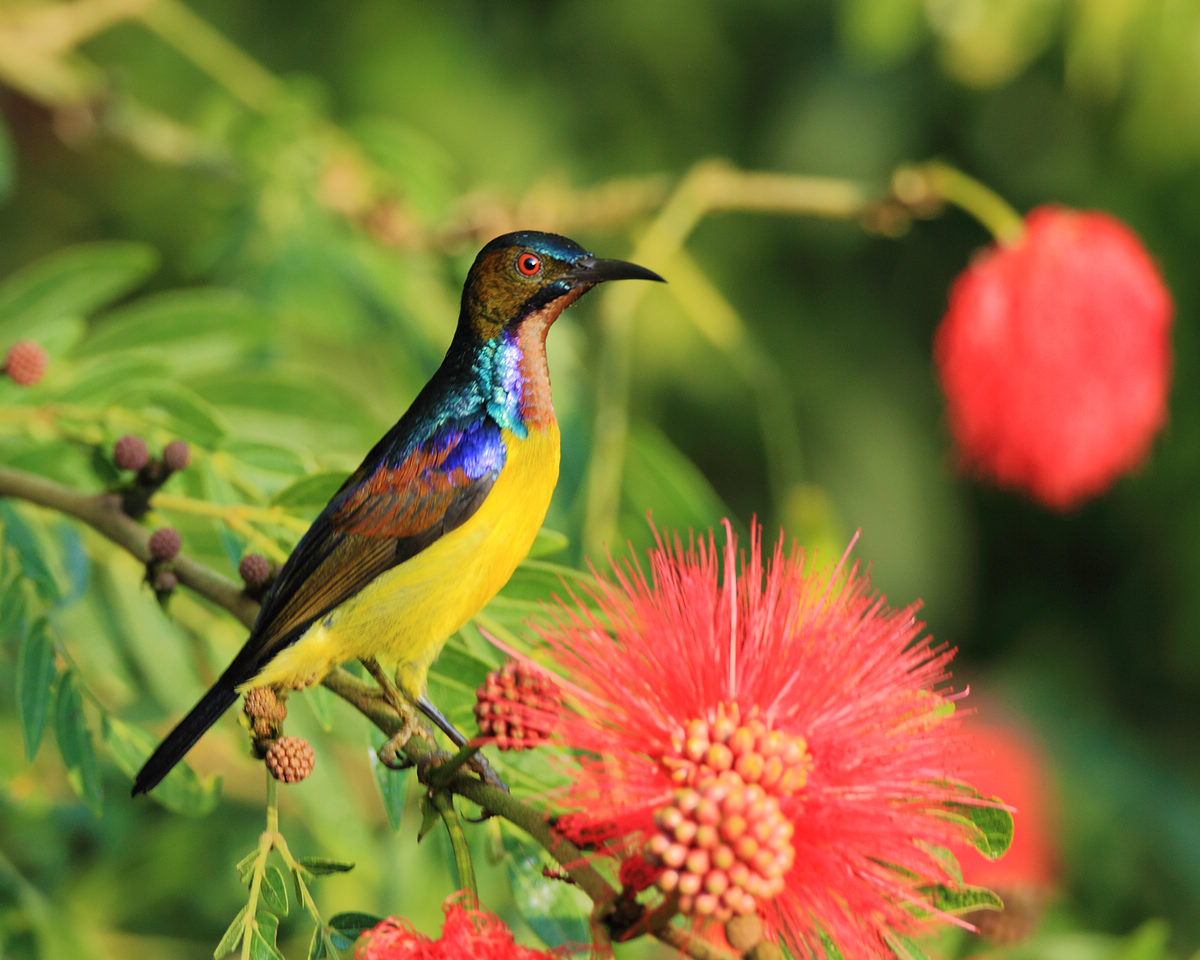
{"x":469,"y":933}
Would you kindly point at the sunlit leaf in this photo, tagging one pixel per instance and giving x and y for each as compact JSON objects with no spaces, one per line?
{"x":548,"y":542}
{"x":262,"y":938}
{"x":233,"y":936}
{"x":312,"y":491}
{"x":71,"y":282}
{"x":35,"y":683}
{"x":188,"y":321}
{"x":274,"y":890}
{"x":322,"y":866}
{"x":991,"y":827}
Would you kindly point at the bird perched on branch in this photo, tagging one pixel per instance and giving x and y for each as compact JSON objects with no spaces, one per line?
{"x":441,"y":511}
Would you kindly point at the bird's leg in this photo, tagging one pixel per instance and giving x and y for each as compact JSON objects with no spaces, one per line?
{"x":389,"y":753}
{"x":478,"y":763}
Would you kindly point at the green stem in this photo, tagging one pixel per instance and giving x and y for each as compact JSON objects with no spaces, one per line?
{"x":971,"y":196}
{"x":443,"y":803}
{"x":208,"y":49}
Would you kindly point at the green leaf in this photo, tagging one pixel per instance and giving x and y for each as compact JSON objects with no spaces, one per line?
{"x":958,"y":900}
{"x":12,"y":611}
{"x":318,"y":946}
{"x":75,"y":744}
{"x":548,"y":542}
{"x":35,"y":683}
{"x":194,"y":323}
{"x":262,"y":938}
{"x":321,"y":866}
{"x":661,"y":475}
{"x":181,"y":790}
{"x":312,"y":491}
{"x":557,"y":912}
{"x":8,"y":161}
{"x":906,"y":949}
{"x":17,"y":532}
{"x":71,"y":282}
{"x":990,"y":827}
{"x":274,"y":890}
{"x":233,"y":936}
{"x":346,"y":928}
{"x":391,"y":783}
{"x":194,"y":417}
{"x":320,"y":701}
{"x":267,"y":456}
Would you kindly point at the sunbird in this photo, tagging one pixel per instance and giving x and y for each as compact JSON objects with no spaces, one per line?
{"x":437,"y":517}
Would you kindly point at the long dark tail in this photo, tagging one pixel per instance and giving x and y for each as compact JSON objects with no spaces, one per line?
{"x":180,"y":740}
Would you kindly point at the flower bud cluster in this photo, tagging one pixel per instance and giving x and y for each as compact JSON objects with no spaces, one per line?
{"x":724,"y":847}
{"x":290,"y":759}
{"x":723,"y":843}
{"x":517,"y":705}
{"x":130,"y":452}
{"x":775,"y":760}
{"x":265,"y":711}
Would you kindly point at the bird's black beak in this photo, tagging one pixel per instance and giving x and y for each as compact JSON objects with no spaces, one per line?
{"x":590,"y":270}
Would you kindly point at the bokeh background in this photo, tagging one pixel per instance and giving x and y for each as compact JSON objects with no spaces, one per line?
{"x":278,"y":202}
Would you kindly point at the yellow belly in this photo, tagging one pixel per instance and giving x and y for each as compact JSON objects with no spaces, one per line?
{"x":404,"y":616}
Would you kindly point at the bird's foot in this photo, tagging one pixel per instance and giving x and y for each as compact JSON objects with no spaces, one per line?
{"x":391,"y":753}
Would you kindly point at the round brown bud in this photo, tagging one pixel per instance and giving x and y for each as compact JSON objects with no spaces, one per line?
{"x":164,"y":543}
{"x":744,"y":931}
{"x":165,"y":581}
{"x":176,"y":455}
{"x":25,"y":363}
{"x":130,"y":452}
{"x":254,"y":569}
{"x":290,"y":759}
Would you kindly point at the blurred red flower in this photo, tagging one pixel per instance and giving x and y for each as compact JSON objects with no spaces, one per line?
{"x":469,"y":932}
{"x":1007,"y":762}
{"x":772,"y":740}
{"x":1055,"y":357}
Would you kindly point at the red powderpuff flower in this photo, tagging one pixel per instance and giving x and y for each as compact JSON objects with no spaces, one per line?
{"x":1055,"y":358}
{"x":768,"y":739}
{"x":469,"y":932}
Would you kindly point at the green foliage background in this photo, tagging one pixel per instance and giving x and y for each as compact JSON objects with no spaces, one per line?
{"x":246,"y":224}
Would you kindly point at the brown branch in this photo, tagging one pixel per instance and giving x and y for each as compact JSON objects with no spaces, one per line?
{"x":102,"y":512}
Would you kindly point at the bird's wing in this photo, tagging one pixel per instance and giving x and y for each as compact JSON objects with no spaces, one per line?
{"x":388,"y":511}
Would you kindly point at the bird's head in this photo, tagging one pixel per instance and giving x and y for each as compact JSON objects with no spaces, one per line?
{"x":533,"y":276}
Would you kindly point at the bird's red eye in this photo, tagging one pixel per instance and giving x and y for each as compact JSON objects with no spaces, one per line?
{"x":529,"y":264}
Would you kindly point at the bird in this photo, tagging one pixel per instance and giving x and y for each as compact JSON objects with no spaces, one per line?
{"x":440,"y":512}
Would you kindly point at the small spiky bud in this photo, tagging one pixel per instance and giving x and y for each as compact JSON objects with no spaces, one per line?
{"x":255,"y":570}
{"x":165,"y":581}
{"x":517,"y":705}
{"x":164,"y":543}
{"x":263,"y":702}
{"x":290,"y":759}
{"x":176,"y":455}
{"x":724,"y":846}
{"x":130,"y":452}
{"x":25,"y":363}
